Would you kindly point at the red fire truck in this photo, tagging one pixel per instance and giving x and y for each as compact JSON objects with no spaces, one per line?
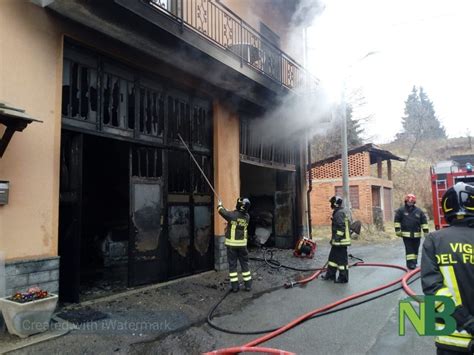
{"x":444,"y":175}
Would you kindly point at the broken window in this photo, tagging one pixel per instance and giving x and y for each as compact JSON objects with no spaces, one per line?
{"x":79,"y":96}
{"x":200,"y":186}
{"x":116,"y":100}
{"x":152,"y":112}
{"x":178,"y":172}
{"x":253,"y":148}
{"x":147,"y":162}
{"x":201,"y":127}
{"x":178,"y":118}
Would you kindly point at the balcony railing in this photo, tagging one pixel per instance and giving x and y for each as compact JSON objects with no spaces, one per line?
{"x":224,"y":28}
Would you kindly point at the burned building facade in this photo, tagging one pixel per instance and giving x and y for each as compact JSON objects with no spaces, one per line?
{"x":103,"y":192}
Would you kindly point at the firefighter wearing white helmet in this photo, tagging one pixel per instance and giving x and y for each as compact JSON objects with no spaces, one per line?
{"x":447,"y":267}
{"x":340,"y":240}
{"x":409,"y":222}
{"x":236,"y":234}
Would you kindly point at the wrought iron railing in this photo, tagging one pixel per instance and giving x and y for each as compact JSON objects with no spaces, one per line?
{"x":224,"y":28}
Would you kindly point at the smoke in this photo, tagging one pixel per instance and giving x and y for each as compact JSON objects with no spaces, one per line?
{"x":299,"y":113}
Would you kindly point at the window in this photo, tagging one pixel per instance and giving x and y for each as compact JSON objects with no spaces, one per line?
{"x":353,"y":195}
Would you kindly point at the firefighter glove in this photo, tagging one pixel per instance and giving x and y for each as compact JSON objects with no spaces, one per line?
{"x":463,"y":319}
{"x":469,"y":326}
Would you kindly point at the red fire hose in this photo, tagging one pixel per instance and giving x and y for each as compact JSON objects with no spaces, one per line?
{"x":405,"y":279}
{"x":253,"y":349}
{"x":251,"y":346}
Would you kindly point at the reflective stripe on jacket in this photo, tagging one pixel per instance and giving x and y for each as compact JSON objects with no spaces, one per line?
{"x":341,"y":235}
{"x":237,"y":225}
{"x":409,"y":222}
{"x":447,"y":269}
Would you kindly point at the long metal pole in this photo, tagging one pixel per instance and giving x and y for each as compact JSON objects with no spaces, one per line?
{"x":344,"y":156}
{"x":197,"y":164}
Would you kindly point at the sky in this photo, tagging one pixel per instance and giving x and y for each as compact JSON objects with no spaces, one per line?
{"x":426,"y":43}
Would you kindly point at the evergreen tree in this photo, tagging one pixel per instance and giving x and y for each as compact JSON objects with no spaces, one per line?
{"x":420,"y":121}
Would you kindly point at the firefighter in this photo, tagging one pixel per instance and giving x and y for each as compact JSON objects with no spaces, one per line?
{"x":447,"y":267}
{"x":236,"y":242}
{"x":408,"y":223}
{"x":340,"y":240}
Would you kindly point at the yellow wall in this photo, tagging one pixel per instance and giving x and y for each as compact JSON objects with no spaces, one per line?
{"x":30,"y":72}
{"x":226,"y":160}
{"x":31,"y":78}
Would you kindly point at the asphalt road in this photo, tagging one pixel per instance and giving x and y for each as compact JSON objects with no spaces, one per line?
{"x":371,"y":328}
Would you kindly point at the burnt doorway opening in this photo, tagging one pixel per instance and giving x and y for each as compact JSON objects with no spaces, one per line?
{"x":272,"y":195}
{"x":105,"y":216}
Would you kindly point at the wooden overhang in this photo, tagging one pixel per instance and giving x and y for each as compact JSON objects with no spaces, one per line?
{"x":376,"y":154}
{"x":15,"y":120}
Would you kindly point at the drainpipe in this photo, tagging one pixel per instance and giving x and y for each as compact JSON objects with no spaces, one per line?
{"x":310,"y":188}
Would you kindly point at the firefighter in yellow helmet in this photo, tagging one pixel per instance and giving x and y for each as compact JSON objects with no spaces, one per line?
{"x":409,"y":221}
{"x":236,"y":242}
{"x":447,"y":267}
{"x":340,"y":240}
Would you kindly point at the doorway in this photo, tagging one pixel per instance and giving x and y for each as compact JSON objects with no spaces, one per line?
{"x":105,"y":215}
{"x":272,"y":195}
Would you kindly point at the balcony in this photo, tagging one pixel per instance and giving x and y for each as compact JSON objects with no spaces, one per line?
{"x":224,"y":29}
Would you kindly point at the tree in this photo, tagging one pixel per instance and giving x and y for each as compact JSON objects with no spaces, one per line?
{"x":420,"y":121}
{"x":329,"y":144}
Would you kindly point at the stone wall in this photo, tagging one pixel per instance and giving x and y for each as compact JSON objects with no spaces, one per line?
{"x":22,"y":274}
{"x":220,"y":254}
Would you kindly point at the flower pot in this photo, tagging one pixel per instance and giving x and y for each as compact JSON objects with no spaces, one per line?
{"x":24,"y":319}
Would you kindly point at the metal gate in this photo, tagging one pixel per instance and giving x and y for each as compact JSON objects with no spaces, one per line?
{"x":147,"y":245}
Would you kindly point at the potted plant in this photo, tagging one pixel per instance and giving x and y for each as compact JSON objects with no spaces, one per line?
{"x":28,"y":313}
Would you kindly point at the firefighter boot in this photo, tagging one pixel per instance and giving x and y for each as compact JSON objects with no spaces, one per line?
{"x":411,"y":264}
{"x":235,"y":286}
{"x":248,"y":285}
{"x":330,"y":274}
{"x":343,"y":277}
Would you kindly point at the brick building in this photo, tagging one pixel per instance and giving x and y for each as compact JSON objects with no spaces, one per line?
{"x":370,"y":185}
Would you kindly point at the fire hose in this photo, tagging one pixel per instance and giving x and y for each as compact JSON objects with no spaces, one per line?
{"x":325,"y":309}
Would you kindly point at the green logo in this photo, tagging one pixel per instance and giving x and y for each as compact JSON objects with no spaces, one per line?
{"x":430,"y":309}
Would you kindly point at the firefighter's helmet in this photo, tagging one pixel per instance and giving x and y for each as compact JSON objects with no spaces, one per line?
{"x":410,"y":198}
{"x":243,"y":204}
{"x":458,"y":202}
{"x":335,"y":201}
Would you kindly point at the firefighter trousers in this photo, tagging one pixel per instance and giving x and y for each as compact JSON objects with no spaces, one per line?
{"x":412,"y":245}
{"x":337,"y":260}
{"x":242,"y":255}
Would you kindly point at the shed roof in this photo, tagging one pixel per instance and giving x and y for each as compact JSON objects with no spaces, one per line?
{"x":374,"y":152}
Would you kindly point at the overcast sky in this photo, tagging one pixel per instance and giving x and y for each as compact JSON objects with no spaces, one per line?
{"x":426,"y":43}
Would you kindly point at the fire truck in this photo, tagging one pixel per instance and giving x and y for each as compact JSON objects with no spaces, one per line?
{"x":444,"y":175}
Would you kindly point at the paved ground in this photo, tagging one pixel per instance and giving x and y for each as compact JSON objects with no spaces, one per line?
{"x":171,"y":319}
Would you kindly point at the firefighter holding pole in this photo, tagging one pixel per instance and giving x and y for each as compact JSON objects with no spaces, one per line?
{"x":236,"y":235}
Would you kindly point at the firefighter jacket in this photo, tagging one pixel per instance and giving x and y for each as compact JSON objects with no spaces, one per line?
{"x":237,"y":225}
{"x":341,"y":235}
{"x":409,"y":221}
{"x":447,"y":269}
